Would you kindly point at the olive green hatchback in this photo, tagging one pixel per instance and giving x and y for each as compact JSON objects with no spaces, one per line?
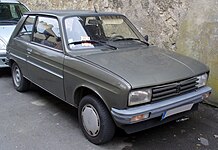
{"x":101,"y":64}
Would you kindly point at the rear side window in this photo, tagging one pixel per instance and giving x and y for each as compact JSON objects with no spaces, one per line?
{"x":26,"y":31}
{"x":47,"y":32}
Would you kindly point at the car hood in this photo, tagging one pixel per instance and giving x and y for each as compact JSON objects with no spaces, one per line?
{"x":6,"y":31}
{"x":147,"y":66}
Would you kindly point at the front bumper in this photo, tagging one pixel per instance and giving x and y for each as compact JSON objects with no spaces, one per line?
{"x":3,"y":60}
{"x":159,"y":109}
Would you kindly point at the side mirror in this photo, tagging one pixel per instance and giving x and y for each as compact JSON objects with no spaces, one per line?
{"x":146,"y":38}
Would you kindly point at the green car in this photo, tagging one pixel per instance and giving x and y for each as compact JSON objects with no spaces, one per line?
{"x":101,"y":64}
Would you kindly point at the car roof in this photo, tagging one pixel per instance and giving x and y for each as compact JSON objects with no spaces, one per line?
{"x":63,"y":13}
{"x":9,"y":1}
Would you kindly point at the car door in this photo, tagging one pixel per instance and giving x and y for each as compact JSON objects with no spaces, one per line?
{"x":21,"y":42}
{"x":45,"y":56}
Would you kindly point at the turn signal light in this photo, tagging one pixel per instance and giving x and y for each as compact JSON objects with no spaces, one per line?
{"x":206,"y":95}
{"x":139,"y":117}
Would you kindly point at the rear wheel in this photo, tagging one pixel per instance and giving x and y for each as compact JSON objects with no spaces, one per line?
{"x":95,"y":120}
{"x":20,"y":83}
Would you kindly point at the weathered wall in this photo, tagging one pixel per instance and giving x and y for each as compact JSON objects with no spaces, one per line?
{"x":187,"y":26}
{"x":198,"y":38}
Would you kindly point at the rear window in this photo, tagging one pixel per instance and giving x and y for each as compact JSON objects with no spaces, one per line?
{"x":11,"y":12}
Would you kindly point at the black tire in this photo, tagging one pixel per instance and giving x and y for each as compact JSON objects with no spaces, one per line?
{"x":106,"y":123}
{"x":21,"y":84}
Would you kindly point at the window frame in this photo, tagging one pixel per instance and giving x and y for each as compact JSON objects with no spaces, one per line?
{"x":22,"y":26}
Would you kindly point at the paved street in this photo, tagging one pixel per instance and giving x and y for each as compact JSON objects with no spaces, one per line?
{"x":36,"y":120}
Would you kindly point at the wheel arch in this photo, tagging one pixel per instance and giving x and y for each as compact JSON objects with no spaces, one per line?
{"x":84,"y":90}
{"x":11,"y":61}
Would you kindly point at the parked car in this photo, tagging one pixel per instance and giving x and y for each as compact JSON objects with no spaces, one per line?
{"x":10,"y":13}
{"x":102,"y":65}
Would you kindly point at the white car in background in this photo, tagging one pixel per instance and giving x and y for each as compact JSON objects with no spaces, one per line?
{"x":10,"y":13}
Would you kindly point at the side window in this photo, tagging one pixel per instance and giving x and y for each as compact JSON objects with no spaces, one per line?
{"x":26,"y":31}
{"x":11,"y":11}
{"x":47,"y":32}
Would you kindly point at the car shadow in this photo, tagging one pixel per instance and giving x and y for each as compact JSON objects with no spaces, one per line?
{"x":53,"y":101}
{"x":5,"y":72}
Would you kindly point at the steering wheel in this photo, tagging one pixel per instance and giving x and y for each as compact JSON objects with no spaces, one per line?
{"x":116,"y":37}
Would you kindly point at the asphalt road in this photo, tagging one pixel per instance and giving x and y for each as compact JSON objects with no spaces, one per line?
{"x":36,"y":120}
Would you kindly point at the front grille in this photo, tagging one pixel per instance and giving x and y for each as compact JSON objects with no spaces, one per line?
{"x":174,"y":89}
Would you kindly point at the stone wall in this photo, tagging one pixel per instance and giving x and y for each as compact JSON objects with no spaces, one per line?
{"x":198,"y":38}
{"x":186,"y":26}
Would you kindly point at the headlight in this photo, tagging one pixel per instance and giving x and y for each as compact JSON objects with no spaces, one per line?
{"x":202,"y":80}
{"x":2,"y":45}
{"x":139,"y":97}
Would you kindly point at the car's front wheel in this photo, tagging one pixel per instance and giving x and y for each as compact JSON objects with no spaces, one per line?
{"x":20,"y":83}
{"x":95,"y":120}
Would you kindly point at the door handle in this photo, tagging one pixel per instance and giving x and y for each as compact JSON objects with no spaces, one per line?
{"x":29,"y":50}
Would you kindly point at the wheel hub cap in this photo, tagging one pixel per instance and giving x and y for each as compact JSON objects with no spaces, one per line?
{"x":17,"y":76}
{"x":90,"y":120}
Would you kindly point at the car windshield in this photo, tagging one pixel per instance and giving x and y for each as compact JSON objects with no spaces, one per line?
{"x":11,"y":12}
{"x":103,"y":30}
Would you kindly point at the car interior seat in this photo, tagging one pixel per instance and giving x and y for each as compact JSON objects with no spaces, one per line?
{"x":94,"y":32}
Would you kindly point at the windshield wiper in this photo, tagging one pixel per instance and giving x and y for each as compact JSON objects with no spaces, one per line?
{"x":93,"y":42}
{"x":132,"y":39}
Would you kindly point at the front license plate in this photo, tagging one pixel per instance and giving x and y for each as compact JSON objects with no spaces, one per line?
{"x":176,"y":110}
